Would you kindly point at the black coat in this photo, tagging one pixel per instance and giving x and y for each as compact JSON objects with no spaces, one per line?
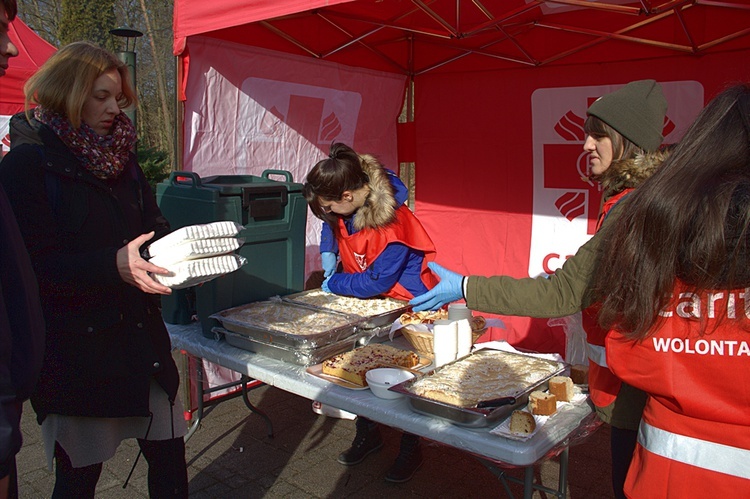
{"x":105,"y":338}
{"x":21,"y":332}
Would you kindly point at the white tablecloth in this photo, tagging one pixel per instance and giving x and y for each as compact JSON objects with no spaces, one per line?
{"x":395,"y":413}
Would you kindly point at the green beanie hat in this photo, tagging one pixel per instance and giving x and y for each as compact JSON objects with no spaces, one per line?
{"x":636,"y":111}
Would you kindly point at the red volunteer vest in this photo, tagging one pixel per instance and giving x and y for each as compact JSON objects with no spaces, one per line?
{"x":603,"y":385}
{"x":694,"y":439}
{"x":359,"y":250}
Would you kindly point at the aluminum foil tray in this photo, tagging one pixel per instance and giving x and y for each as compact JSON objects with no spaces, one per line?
{"x":471,"y":416}
{"x":276,"y":322}
{"x":300,"y":356}
{"x":373,"y":312}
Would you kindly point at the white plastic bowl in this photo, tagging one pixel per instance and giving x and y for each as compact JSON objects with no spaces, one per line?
{"x":380,"y":379}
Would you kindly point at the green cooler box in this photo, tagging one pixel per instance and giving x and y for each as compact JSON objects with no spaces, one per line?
{"x":274,"y":215}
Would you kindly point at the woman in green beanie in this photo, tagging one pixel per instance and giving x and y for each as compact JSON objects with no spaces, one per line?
{"x":623,"y":135}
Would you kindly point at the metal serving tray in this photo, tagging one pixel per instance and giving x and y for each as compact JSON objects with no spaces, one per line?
{"x":299,"y":356}
{"x":276,"y":322}
{"x":345,"y":304}
{"x":472,"y":416}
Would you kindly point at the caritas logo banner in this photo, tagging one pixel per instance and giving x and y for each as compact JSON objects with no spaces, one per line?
{"x":249,"y":110}
{"x":566,"y":205}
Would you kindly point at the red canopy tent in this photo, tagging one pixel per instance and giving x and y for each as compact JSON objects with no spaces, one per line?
{"x":490,"y":97}
{"x":33,"y":51}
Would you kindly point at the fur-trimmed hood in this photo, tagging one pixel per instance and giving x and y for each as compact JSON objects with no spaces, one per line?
{"x":628,"y":173}
{"x":380,"y":206}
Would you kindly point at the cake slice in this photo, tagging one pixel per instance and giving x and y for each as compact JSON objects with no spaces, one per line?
{"x":522,"y":422}
{"x":353,"y":365}
{"x":579,"y":373}
{"x":542,"y":404}
{"x":562,"y":388}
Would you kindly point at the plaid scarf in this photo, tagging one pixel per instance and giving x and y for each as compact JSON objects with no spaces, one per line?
{"x":104,"y":156}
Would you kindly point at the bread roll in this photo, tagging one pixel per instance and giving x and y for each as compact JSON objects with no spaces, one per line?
{"x":424,"y":317}
{"x":522,"y":422}
{"x":562,"y":388}
{"x":478,"y":323}
{"x":542,"y":404}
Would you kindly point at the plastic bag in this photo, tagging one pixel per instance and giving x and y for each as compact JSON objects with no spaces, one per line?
{"x":575,"y":338}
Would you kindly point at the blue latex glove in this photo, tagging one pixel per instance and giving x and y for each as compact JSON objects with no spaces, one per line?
{"x":329,"y":263}
{"x":324,"y":286}
{"x":449,"y":289}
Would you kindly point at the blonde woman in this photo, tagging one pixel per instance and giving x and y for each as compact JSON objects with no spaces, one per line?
{"x":85,"y":209}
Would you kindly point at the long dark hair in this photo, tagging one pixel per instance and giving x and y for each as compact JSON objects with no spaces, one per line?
{"x":328,"y":180}
{"x":686,"y":224}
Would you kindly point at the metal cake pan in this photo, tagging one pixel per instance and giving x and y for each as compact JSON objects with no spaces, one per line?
{"x":261,"y":326}
{"x":366,"y":321}
{"x":471,"y":416}
{"x":299,"y":356}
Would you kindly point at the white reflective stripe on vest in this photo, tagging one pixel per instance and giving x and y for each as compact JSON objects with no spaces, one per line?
{"x":695,"y":452}
{"x":597,"y":354}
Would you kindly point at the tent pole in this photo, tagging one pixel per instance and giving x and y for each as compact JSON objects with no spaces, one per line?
{"x":178,"y":113}
{"x":408,"y":170}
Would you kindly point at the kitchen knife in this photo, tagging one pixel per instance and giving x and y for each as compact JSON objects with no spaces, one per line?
{"x":499,"y":402}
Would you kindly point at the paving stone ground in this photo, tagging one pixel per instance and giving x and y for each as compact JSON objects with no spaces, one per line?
{"x":230,"y":456}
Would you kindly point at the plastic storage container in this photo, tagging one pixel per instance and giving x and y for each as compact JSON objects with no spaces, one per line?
{"x":274,"y":215}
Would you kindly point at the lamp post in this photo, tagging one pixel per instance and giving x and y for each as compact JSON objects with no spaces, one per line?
{"x":128,"y":57}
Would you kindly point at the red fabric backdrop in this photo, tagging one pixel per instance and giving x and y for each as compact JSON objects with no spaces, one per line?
{"x":497,"y":119}
{"x":33,"y":51}
{"x":475,"y":186}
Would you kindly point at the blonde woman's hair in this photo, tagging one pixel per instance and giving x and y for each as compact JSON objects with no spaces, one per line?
{"x":65,"y":81}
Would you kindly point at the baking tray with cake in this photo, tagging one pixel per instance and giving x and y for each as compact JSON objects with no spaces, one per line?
{"x":301,"y":356}
{"x":374,"y":312}
{"x":348,"y":369}
{"x":277,"y":322}
{"x":499,"y":380}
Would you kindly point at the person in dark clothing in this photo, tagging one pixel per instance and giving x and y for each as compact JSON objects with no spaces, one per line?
{"x":85,"y":209}
{"x":384,"y":251}
{"x":21,"y":322}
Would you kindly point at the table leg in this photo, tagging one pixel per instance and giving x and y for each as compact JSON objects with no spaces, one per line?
{"x":500,"y":474}
{"x":243,"y":383}
{"x":245,"y":380}
{"x":563,"y":472}
{"x":528,"y":482}
{"x":528,"y":478}
{"x":198,"y":414}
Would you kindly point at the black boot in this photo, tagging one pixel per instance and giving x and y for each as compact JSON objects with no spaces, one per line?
{"x":408,"y":461}
{"x":367,"y":441}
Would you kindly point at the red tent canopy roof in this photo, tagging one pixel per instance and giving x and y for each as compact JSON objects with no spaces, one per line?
{"x":33,"y":51}
{"x":458,"y":35}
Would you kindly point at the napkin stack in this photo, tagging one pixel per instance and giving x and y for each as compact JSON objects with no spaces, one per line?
{"x":444,"y":341}
{"x":461,"y":315}
{"x":452,"y":339}
{"x":465,"y":338}
{"x":197,"y":253}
